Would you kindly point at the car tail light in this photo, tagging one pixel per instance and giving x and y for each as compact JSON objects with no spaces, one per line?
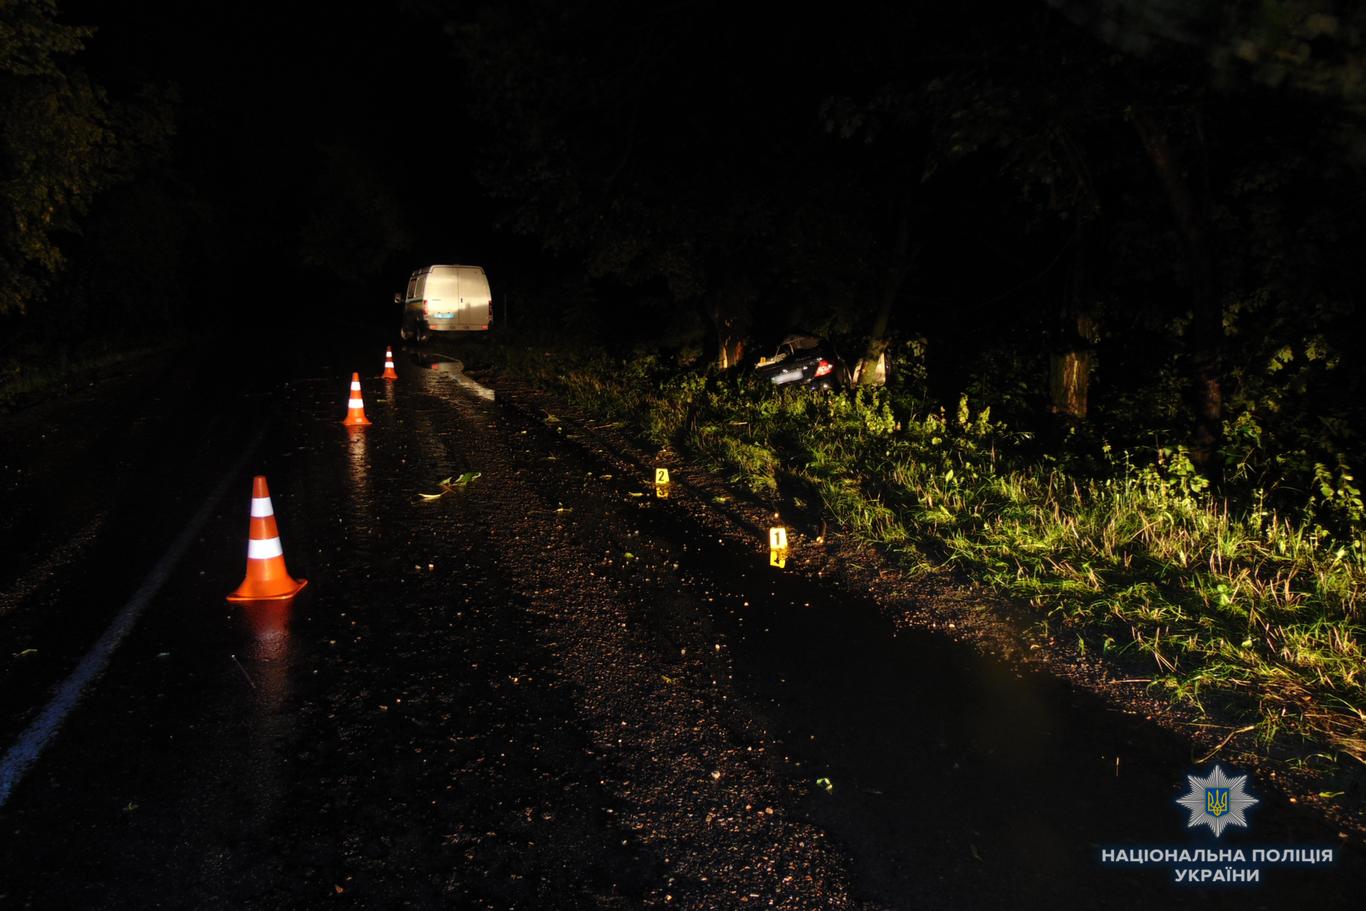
{"x":824,"y":367}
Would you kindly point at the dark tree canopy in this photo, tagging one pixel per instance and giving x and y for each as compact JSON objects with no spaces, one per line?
{"x":1133,"y":222}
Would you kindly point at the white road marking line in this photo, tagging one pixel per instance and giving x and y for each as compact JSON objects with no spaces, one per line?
{"x":458,"y":374}
{"x":65,"y":697}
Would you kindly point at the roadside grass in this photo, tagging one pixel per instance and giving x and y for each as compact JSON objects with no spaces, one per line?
{"x":1253,"y":616}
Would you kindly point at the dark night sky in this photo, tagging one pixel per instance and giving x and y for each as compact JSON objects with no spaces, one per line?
{"x":266,"y":92}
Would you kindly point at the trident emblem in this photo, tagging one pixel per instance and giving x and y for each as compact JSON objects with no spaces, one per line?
{"x":1217,"y":801}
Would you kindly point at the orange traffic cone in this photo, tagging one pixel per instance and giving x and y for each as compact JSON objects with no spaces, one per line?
{"x":267,"y":579}
{"x":389,"y":373}
{"x":355,"y":408}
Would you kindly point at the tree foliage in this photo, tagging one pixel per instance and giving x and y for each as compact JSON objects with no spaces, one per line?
{"x":57,"y":146}
{"x":355,"y":225}
{"x":661,"y":152}
{"x":1156,"y":196}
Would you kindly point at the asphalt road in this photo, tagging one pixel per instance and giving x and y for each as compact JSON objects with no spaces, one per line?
{"x":547,"y":688}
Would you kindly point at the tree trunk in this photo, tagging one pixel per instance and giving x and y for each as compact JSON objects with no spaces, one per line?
{"x":1070,"y":363}
{"x":726,"y":341}
{"x":1189,"y":205}
{"x":1071,"y":372}
{"x":731,"y":349}
{"x":895,"y":277}
{"x":1070,"y":380}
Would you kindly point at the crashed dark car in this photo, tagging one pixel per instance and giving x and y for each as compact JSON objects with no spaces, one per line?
{"x":803,"y":361}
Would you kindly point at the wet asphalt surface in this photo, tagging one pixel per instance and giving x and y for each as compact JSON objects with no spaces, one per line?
{"x":547,"y":689}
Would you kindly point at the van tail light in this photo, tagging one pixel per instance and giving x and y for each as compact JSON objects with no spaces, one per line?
{"x":824,"y":367}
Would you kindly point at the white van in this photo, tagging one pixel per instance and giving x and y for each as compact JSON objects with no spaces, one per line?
{"x":446,"y":299}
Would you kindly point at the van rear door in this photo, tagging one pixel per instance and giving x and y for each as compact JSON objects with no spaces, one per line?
{"x":475,"y":299}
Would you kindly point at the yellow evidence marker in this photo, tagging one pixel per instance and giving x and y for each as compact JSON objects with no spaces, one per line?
{"x":662,"y":483}
{"x":777,"y":547}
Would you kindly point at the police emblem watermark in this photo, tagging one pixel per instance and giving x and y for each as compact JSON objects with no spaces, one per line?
{"x":1217,"y":802}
